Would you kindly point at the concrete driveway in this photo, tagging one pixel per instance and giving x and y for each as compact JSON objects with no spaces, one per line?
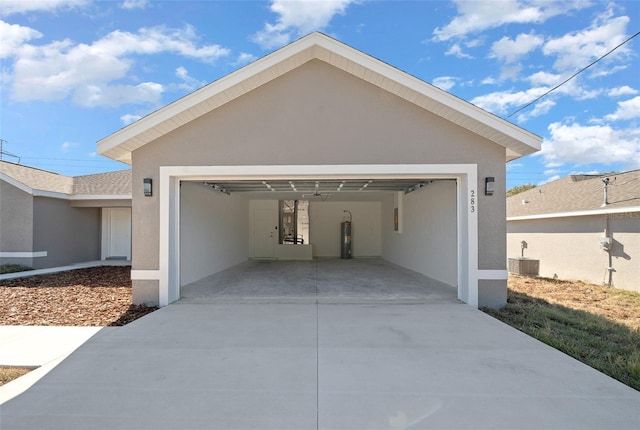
{"x":261,"y":364}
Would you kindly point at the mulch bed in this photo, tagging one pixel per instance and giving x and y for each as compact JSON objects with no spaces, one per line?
{"x":97,"y":296}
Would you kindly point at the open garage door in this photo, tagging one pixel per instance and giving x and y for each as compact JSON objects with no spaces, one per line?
{"x":418,"y":220}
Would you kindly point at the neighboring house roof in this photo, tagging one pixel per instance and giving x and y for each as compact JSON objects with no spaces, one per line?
{"x":37,"y":179}
{"x":112,"y":183}
{"x":317,"y":46}
{"x":577,"y":195}
{"x":41,"y":182}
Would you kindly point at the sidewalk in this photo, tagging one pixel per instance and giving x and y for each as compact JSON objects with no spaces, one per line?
{"x":37,"y":346}
{"x":65,"y":268}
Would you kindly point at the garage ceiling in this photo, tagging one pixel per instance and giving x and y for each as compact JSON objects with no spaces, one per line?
{"x":319,"y":187}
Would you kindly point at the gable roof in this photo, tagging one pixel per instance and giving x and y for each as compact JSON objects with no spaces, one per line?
{"x":576,"y":195}
{"x":516,"y":140}
{"x":44,"y":183}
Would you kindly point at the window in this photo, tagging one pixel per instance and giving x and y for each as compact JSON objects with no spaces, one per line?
{"x":294,"y":222}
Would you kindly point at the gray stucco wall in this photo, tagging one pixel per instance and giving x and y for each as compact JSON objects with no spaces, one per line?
{"x":69,"y":235}
{"x":16,"y":221}
{"x":569,"y":248}
{"x":317,"y":114}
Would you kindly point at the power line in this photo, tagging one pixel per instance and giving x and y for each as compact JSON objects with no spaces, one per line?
{"x":569,"y":78}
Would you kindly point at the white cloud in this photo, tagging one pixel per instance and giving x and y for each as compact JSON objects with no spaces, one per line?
{"x":501,"y":102}
{"x":541,"y":108}
{"x":545,"y":79}
{"x":13,"y":36}
{"x":189,"y":83}
{"x":622,"y":91}
{"x":510,"y":50}
{"x":10,"y":7}
{"x":627,"y":109}
{"x":296,"y":18}
{"x":133,"y":4}
{"x":445,"y":82}
{"x":581,"y":145}
{"x":476,"y":16}
{"x":489,"y":80}
{"x":576,"y":50}
{"x":66,"y":146}
{"x":456,"y":51}
{"x":244,"y":58}
{"x":129,"y":118}
{"x":549,"y":179}
{"x":117,"y":95}
{"x":85,"y":72}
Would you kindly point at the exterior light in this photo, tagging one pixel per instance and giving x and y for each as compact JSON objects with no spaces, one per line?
{"x":489,"y":183}
{"x":147,"y":187}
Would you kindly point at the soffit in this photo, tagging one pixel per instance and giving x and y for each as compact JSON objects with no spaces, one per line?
{"x":517,"y":141}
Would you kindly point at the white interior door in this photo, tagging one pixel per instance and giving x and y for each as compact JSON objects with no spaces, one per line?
{"x":264,"y":233}
{"x":117,"y":233}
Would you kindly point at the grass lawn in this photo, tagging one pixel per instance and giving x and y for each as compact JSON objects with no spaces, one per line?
{"x":13,"y":268}
{"x":597,"y":325}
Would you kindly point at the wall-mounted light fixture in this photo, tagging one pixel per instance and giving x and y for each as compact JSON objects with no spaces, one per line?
{"x":148,"y":190}
{"x":489,"y":183}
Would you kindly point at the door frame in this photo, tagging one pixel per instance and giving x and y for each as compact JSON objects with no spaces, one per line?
{"x":168,"y":275}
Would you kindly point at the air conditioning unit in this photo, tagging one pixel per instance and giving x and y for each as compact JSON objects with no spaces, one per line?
{"x":524,"y":266}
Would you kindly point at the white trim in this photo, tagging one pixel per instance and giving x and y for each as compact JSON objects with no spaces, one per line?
{"x":145,"y":275}
{"x":576,"y":213}
{"x":50,"y":194}
{"x":9,"y":254}
{"x":8,"y":179}
{"x":169,"y":208}
{"x":100,"y":197}
{"x":500,"y":275}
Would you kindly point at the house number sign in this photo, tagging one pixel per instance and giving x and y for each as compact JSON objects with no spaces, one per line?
{"x":472,"y":201}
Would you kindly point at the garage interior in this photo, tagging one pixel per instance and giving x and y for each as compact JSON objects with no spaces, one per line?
{"x":278,"y":233}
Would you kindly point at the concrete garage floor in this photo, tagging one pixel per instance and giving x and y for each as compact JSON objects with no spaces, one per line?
{"x":367,"y":280}
{"x":207,"y":363}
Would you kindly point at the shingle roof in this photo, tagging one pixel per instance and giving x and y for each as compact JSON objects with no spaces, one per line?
{"x":38,"y":179}
{"x":111,"y":183}
{"x":577,"y":193}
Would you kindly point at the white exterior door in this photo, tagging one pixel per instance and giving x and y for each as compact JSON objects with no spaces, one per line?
{"x":116,"y":233}
{"x":264,"y":233}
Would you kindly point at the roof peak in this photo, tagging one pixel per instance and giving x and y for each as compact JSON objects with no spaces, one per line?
{"x":318,"y":46}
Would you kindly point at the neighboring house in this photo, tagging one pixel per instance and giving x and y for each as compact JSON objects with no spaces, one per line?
{"x":49,"y":220}
{"x":577,"y":231}
{"x":319,"y":122}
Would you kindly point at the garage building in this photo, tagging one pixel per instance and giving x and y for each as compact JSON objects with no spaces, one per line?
{"x":269,"y":161}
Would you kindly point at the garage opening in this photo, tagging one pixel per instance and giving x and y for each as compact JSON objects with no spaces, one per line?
{"x":408,"y":223}
{"x":417,"y":217}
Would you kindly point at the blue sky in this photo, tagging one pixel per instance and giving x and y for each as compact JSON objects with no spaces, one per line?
{"x":76,"y":71}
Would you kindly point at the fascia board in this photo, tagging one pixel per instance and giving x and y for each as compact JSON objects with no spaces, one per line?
{"x":630,"y":209}
{"x":51,"y":194}
{"x":22,"y":187}
{"x":100,"y":197}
